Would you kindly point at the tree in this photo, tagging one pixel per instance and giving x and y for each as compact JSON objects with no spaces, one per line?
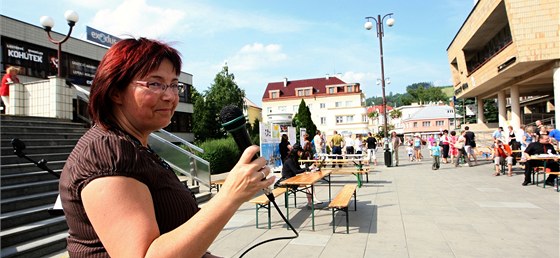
{"x":303,"y":120}
{"x":395,"y":113}
{"x":490,"y":111}
{"x":224,"y":91}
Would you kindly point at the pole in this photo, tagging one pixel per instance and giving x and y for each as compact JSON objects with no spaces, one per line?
{"x":387,"y":154}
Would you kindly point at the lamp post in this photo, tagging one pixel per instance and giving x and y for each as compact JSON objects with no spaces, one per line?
{"x":379,"y":26}
{"x":48,"y":23}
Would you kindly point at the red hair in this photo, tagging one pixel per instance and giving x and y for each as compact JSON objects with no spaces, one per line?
{"x":124,"y":61}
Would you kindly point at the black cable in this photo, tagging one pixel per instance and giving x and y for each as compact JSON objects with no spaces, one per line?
{"x":272,"y":200}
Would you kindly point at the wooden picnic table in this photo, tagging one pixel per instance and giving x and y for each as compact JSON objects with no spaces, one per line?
{"x":302,"y":182}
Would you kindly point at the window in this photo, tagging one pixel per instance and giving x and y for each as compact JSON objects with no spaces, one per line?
{"x":323,"y":120}
{"x":322,"y":105}
{"x":304,"y":92}
{"x":415,"y":124}
{"x":439,"y":123}
{"x":274,"y":95}
{"x":331,"y":90}
{"x":295,"y":108}
{"x":268,"y":110}
{"x":349,"y":119}
{"x":300,"y":93}
{"x":365,"y":118}
{"x":338,"y":119}
{"x":338,"y":104}
{"x":282,"y":108}
{"x":348,"y":103}
{"x":426,"y":123}
{"x":350,"y":88}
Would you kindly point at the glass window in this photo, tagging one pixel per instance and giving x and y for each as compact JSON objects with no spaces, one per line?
{"x":323,"y":120}
{"x":350,"y":88}
{"x":338,"y":104}
{"x":331,"y":90}
{"x":338,"y":119}
{"x":268,"y":110}
{"x":439,"y":123}
{"x":415,"y":124}
{"x":426,"y":123}
{"x":282,"y":108}
{"x":322,"y":105}
{"x":274,"y":95}
{"x":348,"y":103}
{"x":349,"y":119}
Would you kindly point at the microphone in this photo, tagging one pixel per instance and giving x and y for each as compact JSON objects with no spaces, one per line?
{"x":234,"y":122}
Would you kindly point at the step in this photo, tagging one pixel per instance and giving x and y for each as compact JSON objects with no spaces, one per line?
{"x":40,"y":135}
{"x":39,"y":142}
{"x":31,"y":150}
{"x":38,"y":247}
{"x":33,"y":230}
{"x":29,"y":188}
{"x":13,"y":159}
{"x":44,"y":124}
{"x":21,"y":217}
{"x":27,"y":167}
{"x":25,"y":178}
{"x":25,"y":202}
{"x":34,"y":129}
{"x":8,"y":118}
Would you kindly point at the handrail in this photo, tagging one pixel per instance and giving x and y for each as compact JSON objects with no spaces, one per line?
{"x":183,"y":141}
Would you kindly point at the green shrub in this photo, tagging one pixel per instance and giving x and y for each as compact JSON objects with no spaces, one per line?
{"x":222,"y":154}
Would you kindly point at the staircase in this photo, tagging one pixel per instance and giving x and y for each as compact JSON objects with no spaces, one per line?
{"x":27,"y":192}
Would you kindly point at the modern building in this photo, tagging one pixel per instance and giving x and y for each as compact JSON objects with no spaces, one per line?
{"x":509,"y":50}
{"x":42,"y":93}
{"x":334,"y":104}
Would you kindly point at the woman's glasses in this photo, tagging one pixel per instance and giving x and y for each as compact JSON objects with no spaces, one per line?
{"x":158,"y":87}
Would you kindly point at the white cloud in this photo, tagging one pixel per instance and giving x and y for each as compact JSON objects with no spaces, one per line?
{"x":256,"y":56}
{"x":137,"y":18}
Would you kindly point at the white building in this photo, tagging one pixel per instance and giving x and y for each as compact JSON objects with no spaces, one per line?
{"x":334,"y":104}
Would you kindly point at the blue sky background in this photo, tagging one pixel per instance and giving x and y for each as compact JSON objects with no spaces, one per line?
{"x":265,"y":41}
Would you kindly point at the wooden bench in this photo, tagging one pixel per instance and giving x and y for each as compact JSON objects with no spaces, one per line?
{"x":544,"y":178}
{"x":341,"y":202}
{"x":353,"y":171}
{"x":535,"y":174}
{"x":262,"y":201}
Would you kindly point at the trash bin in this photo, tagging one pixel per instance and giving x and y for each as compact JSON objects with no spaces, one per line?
{"x":388,"y":158}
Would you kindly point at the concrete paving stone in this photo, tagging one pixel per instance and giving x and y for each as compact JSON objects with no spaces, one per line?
{"x":412,"y":211}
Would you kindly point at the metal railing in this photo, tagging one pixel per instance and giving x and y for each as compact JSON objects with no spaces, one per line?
{"x":183,"y":161}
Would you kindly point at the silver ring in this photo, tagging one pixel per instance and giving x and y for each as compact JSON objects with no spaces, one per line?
{"x":264,"y":175}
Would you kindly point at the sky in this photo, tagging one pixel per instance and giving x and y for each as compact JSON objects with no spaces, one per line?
{"x":267,"y":41}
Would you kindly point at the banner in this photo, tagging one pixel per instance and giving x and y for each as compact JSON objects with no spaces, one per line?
{"x":270,"y":145}
{"x":100,"y":37}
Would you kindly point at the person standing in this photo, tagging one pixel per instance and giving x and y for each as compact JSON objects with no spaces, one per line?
{"x":371,"y":148}
{"x":444,"y":140}
{"x":359,"y":144}
{"x":417,"y":145}
{"x":349,"y":144}
{"x":460,"y":145}
{"x":394,"y":146}
{"x":470,"y":144}
{"x":336,"y":146}
{"x":8,"y":78}
{"x":436,"y":153}
{"x":284,"y":147}
{"x":318,"y":141}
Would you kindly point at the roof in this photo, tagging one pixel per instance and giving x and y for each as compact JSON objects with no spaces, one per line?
{"x":378,"y":107}
{"x":432,"y":112}
{"x":250,"y":103}
{"x":318,"y":84}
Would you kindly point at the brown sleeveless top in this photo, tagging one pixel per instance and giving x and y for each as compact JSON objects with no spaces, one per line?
{"x":101,"y":153}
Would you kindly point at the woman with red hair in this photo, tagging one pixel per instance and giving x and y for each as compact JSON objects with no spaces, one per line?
{"x":119,"y":197}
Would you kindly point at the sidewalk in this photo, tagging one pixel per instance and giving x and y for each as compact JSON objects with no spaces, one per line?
{"x":412,"y":211}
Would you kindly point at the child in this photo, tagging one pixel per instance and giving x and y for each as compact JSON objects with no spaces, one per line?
{"x":409,"y":151}
{"x":436,"y":153}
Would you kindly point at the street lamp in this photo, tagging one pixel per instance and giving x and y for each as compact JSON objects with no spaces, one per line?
{"x":48,"y":23}
{"x":379,"y":26}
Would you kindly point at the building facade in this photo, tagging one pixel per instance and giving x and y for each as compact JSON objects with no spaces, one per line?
{"x":509,"y":50}
{"x":428,"y":120}
{"x":334,"y":104}
{"x":27,"y":46}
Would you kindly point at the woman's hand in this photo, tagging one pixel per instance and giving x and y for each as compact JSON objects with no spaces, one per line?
{"x":246,"y":178}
